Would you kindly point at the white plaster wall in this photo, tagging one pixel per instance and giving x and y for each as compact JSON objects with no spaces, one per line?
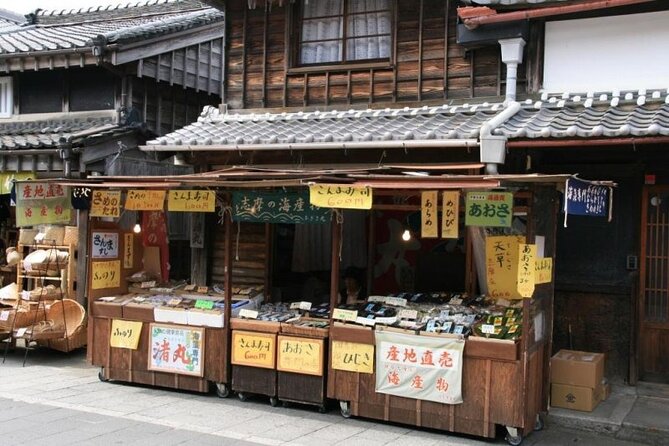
{"x":608,"y":53}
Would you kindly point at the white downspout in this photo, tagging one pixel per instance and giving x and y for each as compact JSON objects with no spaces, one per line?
{"x":493,"y":147}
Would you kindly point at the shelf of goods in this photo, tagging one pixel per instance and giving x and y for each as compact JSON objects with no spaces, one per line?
{"x":47,"y":264}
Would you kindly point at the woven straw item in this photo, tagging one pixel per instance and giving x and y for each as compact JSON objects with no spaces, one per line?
{"x":71,"y":236}
{"x":27,"y":236}
{"x":74,"y":325}
{"x":24,"y":316}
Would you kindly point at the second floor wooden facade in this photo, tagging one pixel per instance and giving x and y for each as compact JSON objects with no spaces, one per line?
{"x":411,"y":55}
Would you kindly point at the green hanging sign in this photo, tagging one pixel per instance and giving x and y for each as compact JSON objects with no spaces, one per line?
{"x":277,"y":207}
{"x":493,"y":209}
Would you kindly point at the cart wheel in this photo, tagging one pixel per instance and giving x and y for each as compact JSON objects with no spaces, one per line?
{"x":101,"y":375}
{"x":286,"y":404}
{"x":242,"y":396}
{"x":323,"y":409}
{"x":345,"y":409}
{"x":222,"y":390}
{"x":514,"y":441}
{"x":274,"y":401}
{"x":539,"y":423}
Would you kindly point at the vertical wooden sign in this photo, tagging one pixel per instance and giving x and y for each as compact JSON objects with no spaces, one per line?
{"x":450,"y":214}
{"x":526,"y":265}
{"x":429,"y":221}
{"x":128,"y":250}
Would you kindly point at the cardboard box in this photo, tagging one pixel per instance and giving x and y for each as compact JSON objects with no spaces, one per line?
{"x":575,"y":397}
{"x":577,"y":368}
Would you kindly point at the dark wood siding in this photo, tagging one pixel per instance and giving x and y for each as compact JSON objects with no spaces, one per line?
{"x":249,"y":255}
{"x":427,"y":63}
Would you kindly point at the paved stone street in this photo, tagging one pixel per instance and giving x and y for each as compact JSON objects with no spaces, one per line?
{"x":57,"y":399}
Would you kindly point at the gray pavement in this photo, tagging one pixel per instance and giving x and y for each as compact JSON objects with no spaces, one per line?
{"x":56,"y":399}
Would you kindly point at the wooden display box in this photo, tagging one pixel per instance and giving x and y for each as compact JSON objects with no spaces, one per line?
{"x":254,"y":368}
{"x":302,"y":379}
{"x":501,"y":349}
{"x":106,"y":309}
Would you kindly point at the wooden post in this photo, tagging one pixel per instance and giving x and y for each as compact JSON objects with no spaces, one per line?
{"x":371,"y":243}
{"x":227,"y":224}
{"x":334,"y":275}
{"x":82,"y":270}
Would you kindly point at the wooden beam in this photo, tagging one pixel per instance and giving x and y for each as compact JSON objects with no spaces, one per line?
{"x":197,"y":68}
{"x":245,"y":25}
{"x":172,"y":68}
{"x":334,"y":274}
{"x":263,"y":99}
{"x":286,"y":54}
{"x":140,"y":67}
{"x":82,"y":255}
{"x":421,"y":8}
{"x":395,"y":24}
{"x":446,"y":29}
{"x":472,"y":67}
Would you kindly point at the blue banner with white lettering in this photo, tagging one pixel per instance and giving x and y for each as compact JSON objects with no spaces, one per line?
{"x":587,"y":198}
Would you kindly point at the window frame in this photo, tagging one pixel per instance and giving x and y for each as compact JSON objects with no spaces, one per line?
{"x":9,"y":99}
{"x":296,"y":23}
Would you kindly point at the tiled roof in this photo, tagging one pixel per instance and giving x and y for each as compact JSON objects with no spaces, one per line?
{"x":591,"y":115}
{"x":46,"y":133}
{"x":57,"y":30}
{"x":9,"y":20}
{"x":511,"y":2}
{"x":426,"y":123}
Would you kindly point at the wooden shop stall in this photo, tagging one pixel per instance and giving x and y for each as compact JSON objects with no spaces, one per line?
{"x":466,"y":358}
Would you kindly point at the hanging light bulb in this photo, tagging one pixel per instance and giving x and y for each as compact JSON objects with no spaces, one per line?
{"x":406,"y":235}
{"x":137,"y":228}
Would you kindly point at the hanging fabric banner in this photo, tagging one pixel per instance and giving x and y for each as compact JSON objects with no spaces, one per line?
{"x":277,"y":207}
{"x":339,"y":196}
{"x":39,"y":203}
{"x":154,"y":233}
{"x":429,"y":217}
{"x":419,"y":367}
{"x":501,"y":255}
{"x":493,"y":209}
{"x":106,"y":203}
{"x":450,"y":214}
{"x":587,"y":198}
{"x":526,"y":265}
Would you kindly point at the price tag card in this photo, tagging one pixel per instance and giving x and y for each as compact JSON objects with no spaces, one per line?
{"x":488,"y":329}
{"x":381,"y":299}
{"x":248,"y":314}
{"x":190,"y":287}
{"x":204,"y":304}
{"x":21,"y":332}
{"x":139,"y":299}
{"x":108,"y":298}
{"x":174,"y":302}
{"x":203,"y":289}
{"x":4,"y":315}
{"x":344,"y":315}
{"x":148,"y":284}
{"x":365,"y":321}
{"x":455,"y":301}
{"x":397,"y":301}
{"x":300,"y":306}
{"x":408,"y":314}
{"x":386,"y":320}
{"x":25,"y":295}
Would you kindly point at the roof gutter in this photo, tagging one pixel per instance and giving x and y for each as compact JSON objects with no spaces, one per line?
{"x":528,"y":14}
{"x":409,"y":144}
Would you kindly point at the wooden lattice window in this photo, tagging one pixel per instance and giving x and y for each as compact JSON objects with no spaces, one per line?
{"x":339,"y":31}
{"x":6,"y":97}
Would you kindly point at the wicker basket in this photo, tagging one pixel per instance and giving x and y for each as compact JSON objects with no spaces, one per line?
{"x":73,"y":324}
{"x":24,"y":316}
{"x":53,"y":235}
{"x":71,"y":237}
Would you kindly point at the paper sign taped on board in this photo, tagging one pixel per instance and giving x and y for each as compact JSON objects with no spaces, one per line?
{"x":352,"y":357}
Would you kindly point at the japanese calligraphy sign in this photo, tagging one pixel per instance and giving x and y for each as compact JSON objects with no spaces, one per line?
{"x":81,"y":197}
{"x":191,"y":201}
{"x":429,"y":222}
{"x":277,"y":207}
{"x":586,"y":198}
{"x":352,"y":357}
{"x":38,"y":203}
{"x":340,"y":196}
{"x":450,"y":214}
{"x":300,"y":355}
{"x":7,"y":180}
{"x":125,"y":334}
{"x":176,"y":349}
{"x":254,"y":349}
{"x":106,"y":203}
{"x":526,"y":258}
{"x":419,"y":367}
{"x":494,"y":209}
{"x":104,"y":245}
{"x":543,"y":270}
{"x":105,"y":274}
{"x":128,"y":250}
{"x":145,"y":200}
{"x":501,"y":253}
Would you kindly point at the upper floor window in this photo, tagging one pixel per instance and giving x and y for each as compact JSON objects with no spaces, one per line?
{"x":6,"y":97}
{"x":335,"y":31}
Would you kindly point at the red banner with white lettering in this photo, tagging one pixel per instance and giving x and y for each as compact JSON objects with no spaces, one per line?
{"x":154,"y":233}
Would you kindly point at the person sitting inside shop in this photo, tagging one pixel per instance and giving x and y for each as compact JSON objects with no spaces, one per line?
{"x":353,"y":292}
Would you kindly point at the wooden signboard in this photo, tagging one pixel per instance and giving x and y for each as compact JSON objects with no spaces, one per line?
{"x":254,"y":349}
{"x":300,"y":355}
{"x":352,"y":357}
{"x":176,"y":349}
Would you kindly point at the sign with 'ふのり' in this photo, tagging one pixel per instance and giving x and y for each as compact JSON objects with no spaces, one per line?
{"x":176,"y":349}
{"x":125,"y":334}
{"x":105,"y":274}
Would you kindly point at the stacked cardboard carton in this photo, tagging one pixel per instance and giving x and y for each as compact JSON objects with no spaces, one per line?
{"x":577,"y":380}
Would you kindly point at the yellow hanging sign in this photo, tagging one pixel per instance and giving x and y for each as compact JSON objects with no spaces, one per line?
{"x":254,"y":349}
{"x":450,"y":214}
{"x":501,"y":253}
{"x":125,"y":334}
{"x":145,"y":200}
{"x":128,"y":250}
{"x":105,"y":275}
{"x":543,"y":270}
{"x":340,"y":196}
{"x":191,"y":201}
{"x":429,"y":221}
{"x":526,"y":258}
{"x":352,"y":357}
{"x":300,"y":355}
{"x":106,"y":203}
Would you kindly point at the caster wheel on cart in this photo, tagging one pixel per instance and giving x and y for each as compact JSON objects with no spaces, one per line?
{"x":242,"y":396}
{"x":287,"y":404}
{"x":323,"y":409}
{"x":345,"y":409}
{"x":539,"y":423}
{"x":222,"y":390}
{"x":274,"y":401}
{"x":101,"y":375}
{"x":514,"y":441}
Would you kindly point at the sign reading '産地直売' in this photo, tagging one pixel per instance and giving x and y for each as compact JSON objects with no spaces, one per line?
{"x":339,"y":196}
{"x":277,"y":207}
{"x":419,"y":367}
{"x":493,"y":209}
{"x":39,"y":203}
